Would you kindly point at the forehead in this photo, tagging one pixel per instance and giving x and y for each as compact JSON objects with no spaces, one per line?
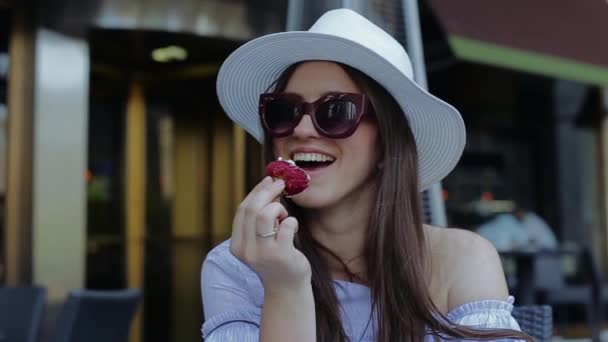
{"x":313,"y":79}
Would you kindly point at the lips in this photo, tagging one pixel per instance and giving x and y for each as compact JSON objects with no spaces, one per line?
{"x":311,"y":159}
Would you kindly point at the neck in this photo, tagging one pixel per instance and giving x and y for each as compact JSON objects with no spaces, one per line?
{"x":342,"y":228}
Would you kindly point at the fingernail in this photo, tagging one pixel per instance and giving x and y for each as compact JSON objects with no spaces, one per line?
{"x":279,"y":183}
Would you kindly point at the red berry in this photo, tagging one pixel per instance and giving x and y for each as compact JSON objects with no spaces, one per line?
{"x":296,"y":179}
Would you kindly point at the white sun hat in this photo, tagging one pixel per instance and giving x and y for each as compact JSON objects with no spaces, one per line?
{"x":345,"y":36}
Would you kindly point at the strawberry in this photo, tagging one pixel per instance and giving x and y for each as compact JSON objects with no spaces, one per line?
{"x":296,"y":179}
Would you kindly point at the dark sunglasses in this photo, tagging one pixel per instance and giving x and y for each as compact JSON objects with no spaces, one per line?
{"x":335,"y":115}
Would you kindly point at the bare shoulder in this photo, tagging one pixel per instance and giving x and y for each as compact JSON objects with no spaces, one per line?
{"x":470,"y":264}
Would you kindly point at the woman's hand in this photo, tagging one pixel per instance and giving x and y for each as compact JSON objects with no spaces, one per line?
{"x":281,"y":267}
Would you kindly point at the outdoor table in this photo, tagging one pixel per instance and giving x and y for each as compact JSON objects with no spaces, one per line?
{"x":525,"y":264}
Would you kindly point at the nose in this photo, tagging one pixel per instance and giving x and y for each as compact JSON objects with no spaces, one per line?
{"x":305,"y":128}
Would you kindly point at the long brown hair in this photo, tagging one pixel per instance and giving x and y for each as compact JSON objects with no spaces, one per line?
{"x":395,"y":250}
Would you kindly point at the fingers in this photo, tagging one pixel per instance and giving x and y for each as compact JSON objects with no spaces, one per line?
{"x":267,"y":180}
{"x":240,"y":224}
{"x":259,"y":213}
{"x":254,"y":205}
{"x":268,"y":218}
{"x":237,"y":229}
{"x":266,"y":194}
{"x":287,"y":231}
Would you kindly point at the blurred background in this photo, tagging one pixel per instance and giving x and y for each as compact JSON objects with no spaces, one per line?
{"x":118,"y":168}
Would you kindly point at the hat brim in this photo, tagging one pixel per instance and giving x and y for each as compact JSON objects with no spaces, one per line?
{"x":249,"y":71}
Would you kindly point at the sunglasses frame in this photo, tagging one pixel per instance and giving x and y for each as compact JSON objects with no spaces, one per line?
{"x":361,"y":101}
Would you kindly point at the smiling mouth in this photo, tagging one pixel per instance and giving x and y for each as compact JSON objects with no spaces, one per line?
{"x":313,"y":165}
{"x":310,"y":161}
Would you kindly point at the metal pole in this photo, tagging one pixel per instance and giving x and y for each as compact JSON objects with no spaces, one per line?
{"x":604,"y":176}
{"x":355,"y":5}
{"x":413,"y":42}
{"x":295,"y":9}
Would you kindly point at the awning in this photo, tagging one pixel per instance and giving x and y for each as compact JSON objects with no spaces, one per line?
{"x":560,"y":38}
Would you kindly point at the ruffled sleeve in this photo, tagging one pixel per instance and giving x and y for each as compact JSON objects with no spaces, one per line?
{"x":232,"y":311}
{"x":486,"y":314}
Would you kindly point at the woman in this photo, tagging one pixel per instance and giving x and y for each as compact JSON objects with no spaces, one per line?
{"x":348,"y":259}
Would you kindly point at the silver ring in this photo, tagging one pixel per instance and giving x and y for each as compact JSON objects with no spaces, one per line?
{"x":273,"y":233}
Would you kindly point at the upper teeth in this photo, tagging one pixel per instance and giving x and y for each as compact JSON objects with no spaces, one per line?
{"x":318,"y":157}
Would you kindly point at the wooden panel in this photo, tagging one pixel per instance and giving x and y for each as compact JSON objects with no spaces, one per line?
{"x":135,"y":192}
{"x":222,"y":187}
{"x":209,"y":184}
{"x":190,"y":182}
{"x":18,"y":220}
{"x":255,"y":163}
{"x":238,"y":152}
{"x":190,"y":224}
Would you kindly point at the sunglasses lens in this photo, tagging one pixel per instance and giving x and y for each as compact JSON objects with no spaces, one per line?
{"x":280,"y":116}
{"x":336,"y":117}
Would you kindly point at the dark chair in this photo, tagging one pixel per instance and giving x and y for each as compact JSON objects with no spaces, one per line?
{"x":21,"y":313}
{"x":554,"y":290}
{"x":97,"y":316}
{"x":535,"y":320}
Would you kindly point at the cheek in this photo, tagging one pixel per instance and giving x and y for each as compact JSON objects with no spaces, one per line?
{"x":367,"y":144}
{"x":371,"y":159}
{"x":362,"y":159}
